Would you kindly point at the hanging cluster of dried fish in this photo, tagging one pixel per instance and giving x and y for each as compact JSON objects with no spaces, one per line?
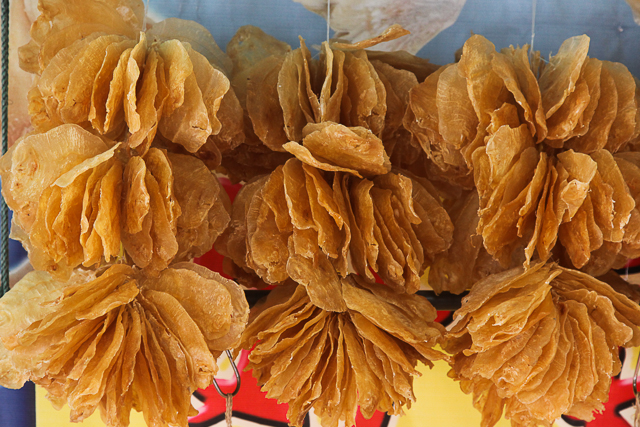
{"x":537,"y":141}
{"x":96,"y":202}
{"x":315,"y":228}
{"x":322,"y":214}
{"x":539,"y":343}
{"x":344,"y":93}
{"x":543,"y":153}
{"x":114,"y":187}
{"x":363,"y":356}
{"x":117,"y":339}
{"x":131,"y":88}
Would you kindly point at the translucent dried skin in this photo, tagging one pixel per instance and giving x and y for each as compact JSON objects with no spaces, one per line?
{"x":577,"y":200}
{"x":62,"y":23}
{"x":629,"y":164}
{"x":334,"y":147}
{"x":561,"y":74}
{"x":393,"y":32}
{"x":341,"y":86}
{"x":249,"y":46}
{"x":538,"y":149}
{"x":365,"y":103}
{"x":198,"y":37}
{"x":419,"y":230}
{"x":204,"y":203}
{"x":115,"y":83}
{"x":118,"y":340}
{"x":246,"y":162}
{"x":422,"y":119}
{"x":154,"y":244}
{"x":335,"y":362}
{"x":315,"y":228}
{"x":26,"y":171}
{"x":257,"y":60}
{"x":397,"y":84}
{"x":403,"y":60}
{"x":262,"y":103}
{"x":541,"y":342}
{"x":96,"y":201}
{"x":466,"y":261}
{"x":515,"y":70}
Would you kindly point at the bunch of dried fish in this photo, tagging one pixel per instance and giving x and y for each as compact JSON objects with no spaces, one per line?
{"x":364,"y":355}
{"x":540,"y":343}
{"x":466,"y":261}
{"x":285,"y":92}
{"x":117,"y":340}
{"x":130,"y":88}
{"x":316,"y":226}
{"x":537,"y":142}
{"x":94,"y":203}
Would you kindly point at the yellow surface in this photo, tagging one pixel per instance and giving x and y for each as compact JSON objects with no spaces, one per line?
{"x":46,"y":416}
{"x":440,"y":402}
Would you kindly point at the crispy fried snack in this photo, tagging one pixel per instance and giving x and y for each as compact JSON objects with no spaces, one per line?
{"x":118,"y":81}
{"x":118,"y":340}
{"x":333,"y":362}
{"x":538,"y":143}
{"x":94,"y":201}
{"x":540,"y":343}
{"x":315,"y":227}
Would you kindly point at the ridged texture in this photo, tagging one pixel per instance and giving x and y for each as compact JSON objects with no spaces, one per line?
{"x":117,"y":340}
{"x":540,"y":343}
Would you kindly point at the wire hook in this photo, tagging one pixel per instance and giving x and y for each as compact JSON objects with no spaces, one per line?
{"x":236,"y":373}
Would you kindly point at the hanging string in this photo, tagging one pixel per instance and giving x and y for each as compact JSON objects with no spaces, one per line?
{"x":4,"y":210}
{"x":146,"y":12}
{"x":533,"y":26}
{"x":328,"y":19}
{"x":228,"y":413}
{"x":626,"y":273}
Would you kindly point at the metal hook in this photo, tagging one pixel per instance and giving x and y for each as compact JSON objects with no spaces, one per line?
{"x":236,"y":373}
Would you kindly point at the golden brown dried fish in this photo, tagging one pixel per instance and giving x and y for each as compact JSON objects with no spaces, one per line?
{"x":120,"y":340}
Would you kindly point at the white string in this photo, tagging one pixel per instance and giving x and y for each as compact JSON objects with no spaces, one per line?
{"x":328,"y":18}
{"x":533,"y":26}
{"x":146,"y":12}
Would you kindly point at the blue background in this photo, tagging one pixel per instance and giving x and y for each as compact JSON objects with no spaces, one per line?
{"x":609,"y":23}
